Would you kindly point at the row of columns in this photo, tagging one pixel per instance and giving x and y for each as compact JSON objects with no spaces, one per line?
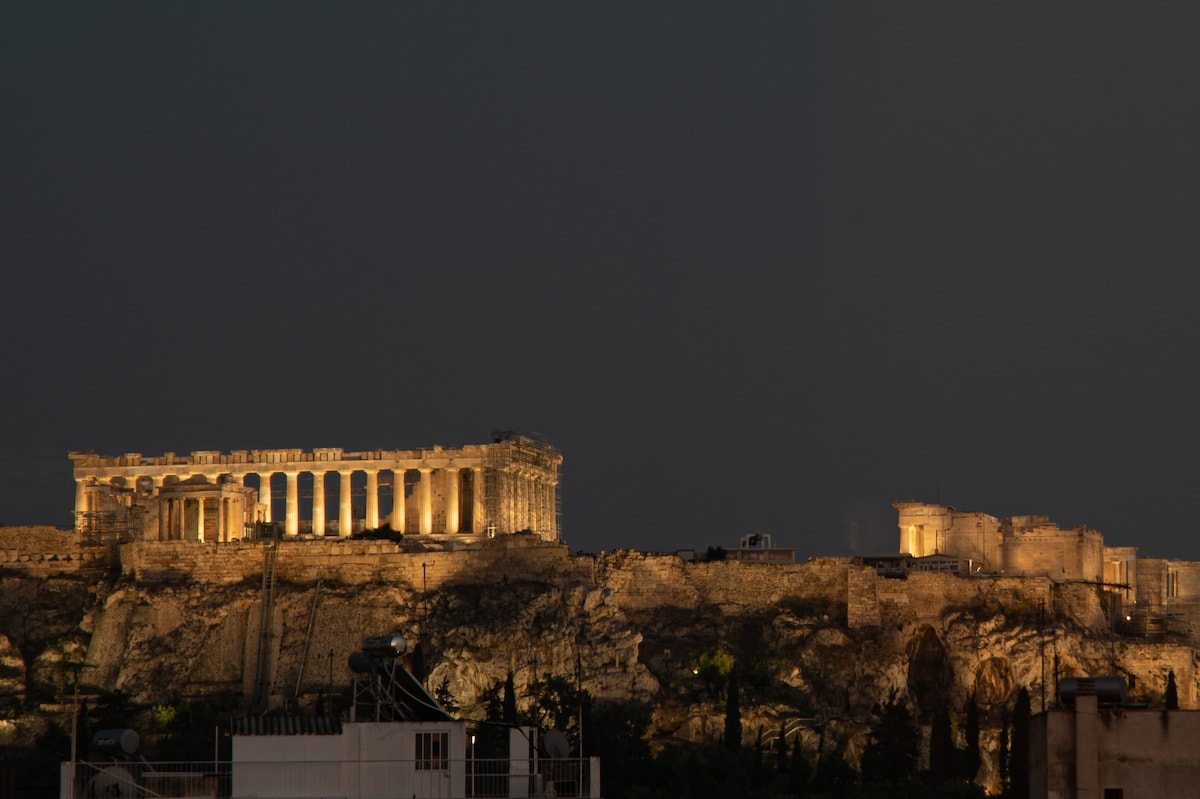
{"x":423,"y":496}
{"x":173,"y":518}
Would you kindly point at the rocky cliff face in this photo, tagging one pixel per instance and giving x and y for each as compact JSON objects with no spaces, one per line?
{"x":822,"y":642}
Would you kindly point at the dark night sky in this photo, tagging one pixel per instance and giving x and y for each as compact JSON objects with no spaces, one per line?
{"x":751,"y":268}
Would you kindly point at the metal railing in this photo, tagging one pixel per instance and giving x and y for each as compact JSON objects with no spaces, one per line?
{"x":365,"y":779}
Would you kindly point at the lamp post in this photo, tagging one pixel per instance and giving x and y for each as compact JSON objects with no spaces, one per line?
{"x":471,"y":767}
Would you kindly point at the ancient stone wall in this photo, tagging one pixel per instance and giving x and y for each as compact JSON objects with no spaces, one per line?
{"x":641,"y":580}
{"x":1056,"y":553}
{"x":353,"y":562}
{"x":924,"y":597}
{"x":45,"y":550}
{"x":1185,"y":580}
{"x":1152,"y":583}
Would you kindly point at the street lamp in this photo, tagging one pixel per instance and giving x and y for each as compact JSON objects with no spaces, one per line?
{"x":471,"y":767}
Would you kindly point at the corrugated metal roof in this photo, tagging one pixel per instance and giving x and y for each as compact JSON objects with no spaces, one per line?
{"x":287,"y":725}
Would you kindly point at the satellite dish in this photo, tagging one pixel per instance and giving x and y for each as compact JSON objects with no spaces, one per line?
{"x":113,"y":782}
{"x":556,"y":744}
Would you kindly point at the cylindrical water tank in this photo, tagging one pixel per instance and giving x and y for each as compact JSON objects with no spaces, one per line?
{"x":1108,"y":690}
{"x":388,"y":646}
{"x":116,"y":742}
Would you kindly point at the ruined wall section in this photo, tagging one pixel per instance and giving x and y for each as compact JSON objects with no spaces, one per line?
{"x":43,"y":551}
{"x":940,"y":529}
{"x":925,"y":597}
{"x":355,"y":562}
{"x":642,"y":580}
{"x":1152,"y":583}
{"x":1048,"y":550}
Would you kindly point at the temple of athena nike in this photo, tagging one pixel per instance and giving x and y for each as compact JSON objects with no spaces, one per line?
{"x":507,"y":486}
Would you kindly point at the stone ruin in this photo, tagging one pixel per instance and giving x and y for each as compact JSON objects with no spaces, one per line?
{"x":510,"y":485}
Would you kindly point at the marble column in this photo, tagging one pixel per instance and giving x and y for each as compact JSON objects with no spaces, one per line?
{"x":398,"y":499}
{"x":264,"y":493}
{"x":164,"y":515}
{"x":292,"y":514}
{"x":222,"y":510}
{"x":478,"y":522}
{"x":345,"y":513}
{"x":318,"y":503}
{"x":80,"y":501}
{"x":452,"y":492}
{"x":426,"y":491}
{"x":372,"y":499}
{"x":200,"y":518}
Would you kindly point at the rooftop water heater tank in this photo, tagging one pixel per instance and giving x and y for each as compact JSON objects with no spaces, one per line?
{"x":385,"y":646}
{"x":1107,"y":690}
{"x":116,"y":742}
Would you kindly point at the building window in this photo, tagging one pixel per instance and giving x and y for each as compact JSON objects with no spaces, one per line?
{"x":431,"y":751}
{"x":1114,"y":793}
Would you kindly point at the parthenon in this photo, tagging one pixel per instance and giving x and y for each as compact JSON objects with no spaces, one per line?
{"x":507,"y":486}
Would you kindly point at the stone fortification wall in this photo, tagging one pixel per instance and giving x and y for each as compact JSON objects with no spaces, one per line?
{"x":44,"y":550}
{"x":642,"y":580}
{"x":1152,"y":583}
{"x":355,"y":562}
{"x":924,"y":597}
{"x":1053,"y":552}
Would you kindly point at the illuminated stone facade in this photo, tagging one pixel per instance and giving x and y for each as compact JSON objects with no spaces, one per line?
{"x":507,"y":486}
{"x":1149,"y":596}
{"x":1024,"y":545}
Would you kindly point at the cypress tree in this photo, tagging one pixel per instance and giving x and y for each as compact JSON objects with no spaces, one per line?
{"x":940,"y":747}
{"x":1018,"y":771}
{"x":510,"y":701}
{"x":781,"y":762}
{"x":1003,"y":757}
{"x":733,"y":716}
{"x":800,"y":776}
{"x":1172,"y":697}
{"x":973,"y":756}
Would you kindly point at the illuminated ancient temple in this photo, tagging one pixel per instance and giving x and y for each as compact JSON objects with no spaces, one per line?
{"x":507,"y":486}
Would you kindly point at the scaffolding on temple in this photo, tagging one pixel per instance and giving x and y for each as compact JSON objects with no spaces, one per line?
{"x":521,"y":475}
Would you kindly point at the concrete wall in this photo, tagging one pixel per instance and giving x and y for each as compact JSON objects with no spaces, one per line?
{"x":1143,"y":752}
{"x":366,"y":760}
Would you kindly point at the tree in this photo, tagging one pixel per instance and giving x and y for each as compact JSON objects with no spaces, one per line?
{"x":1172,"y":697}
{"x":510,"y":701}
{"x":1019,"y":757}
{"x":941,"y":748}
{"x":834,"y":777}
{"x":892,"y":749}
{"x":972,"y":758}
{"x":800,"y":776}
{"x":557,"y":701}
{"x":714,"y":554}
{"x":445,"y":697}
{"x":781,"y":762}
{"x":733,"y":716}
{"x":616,"y":733}
{"x":714,"y":667}
{"x":1003,"y":756}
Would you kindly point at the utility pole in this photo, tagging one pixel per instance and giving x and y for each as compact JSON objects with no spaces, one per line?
{"x":1042,"y":644}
